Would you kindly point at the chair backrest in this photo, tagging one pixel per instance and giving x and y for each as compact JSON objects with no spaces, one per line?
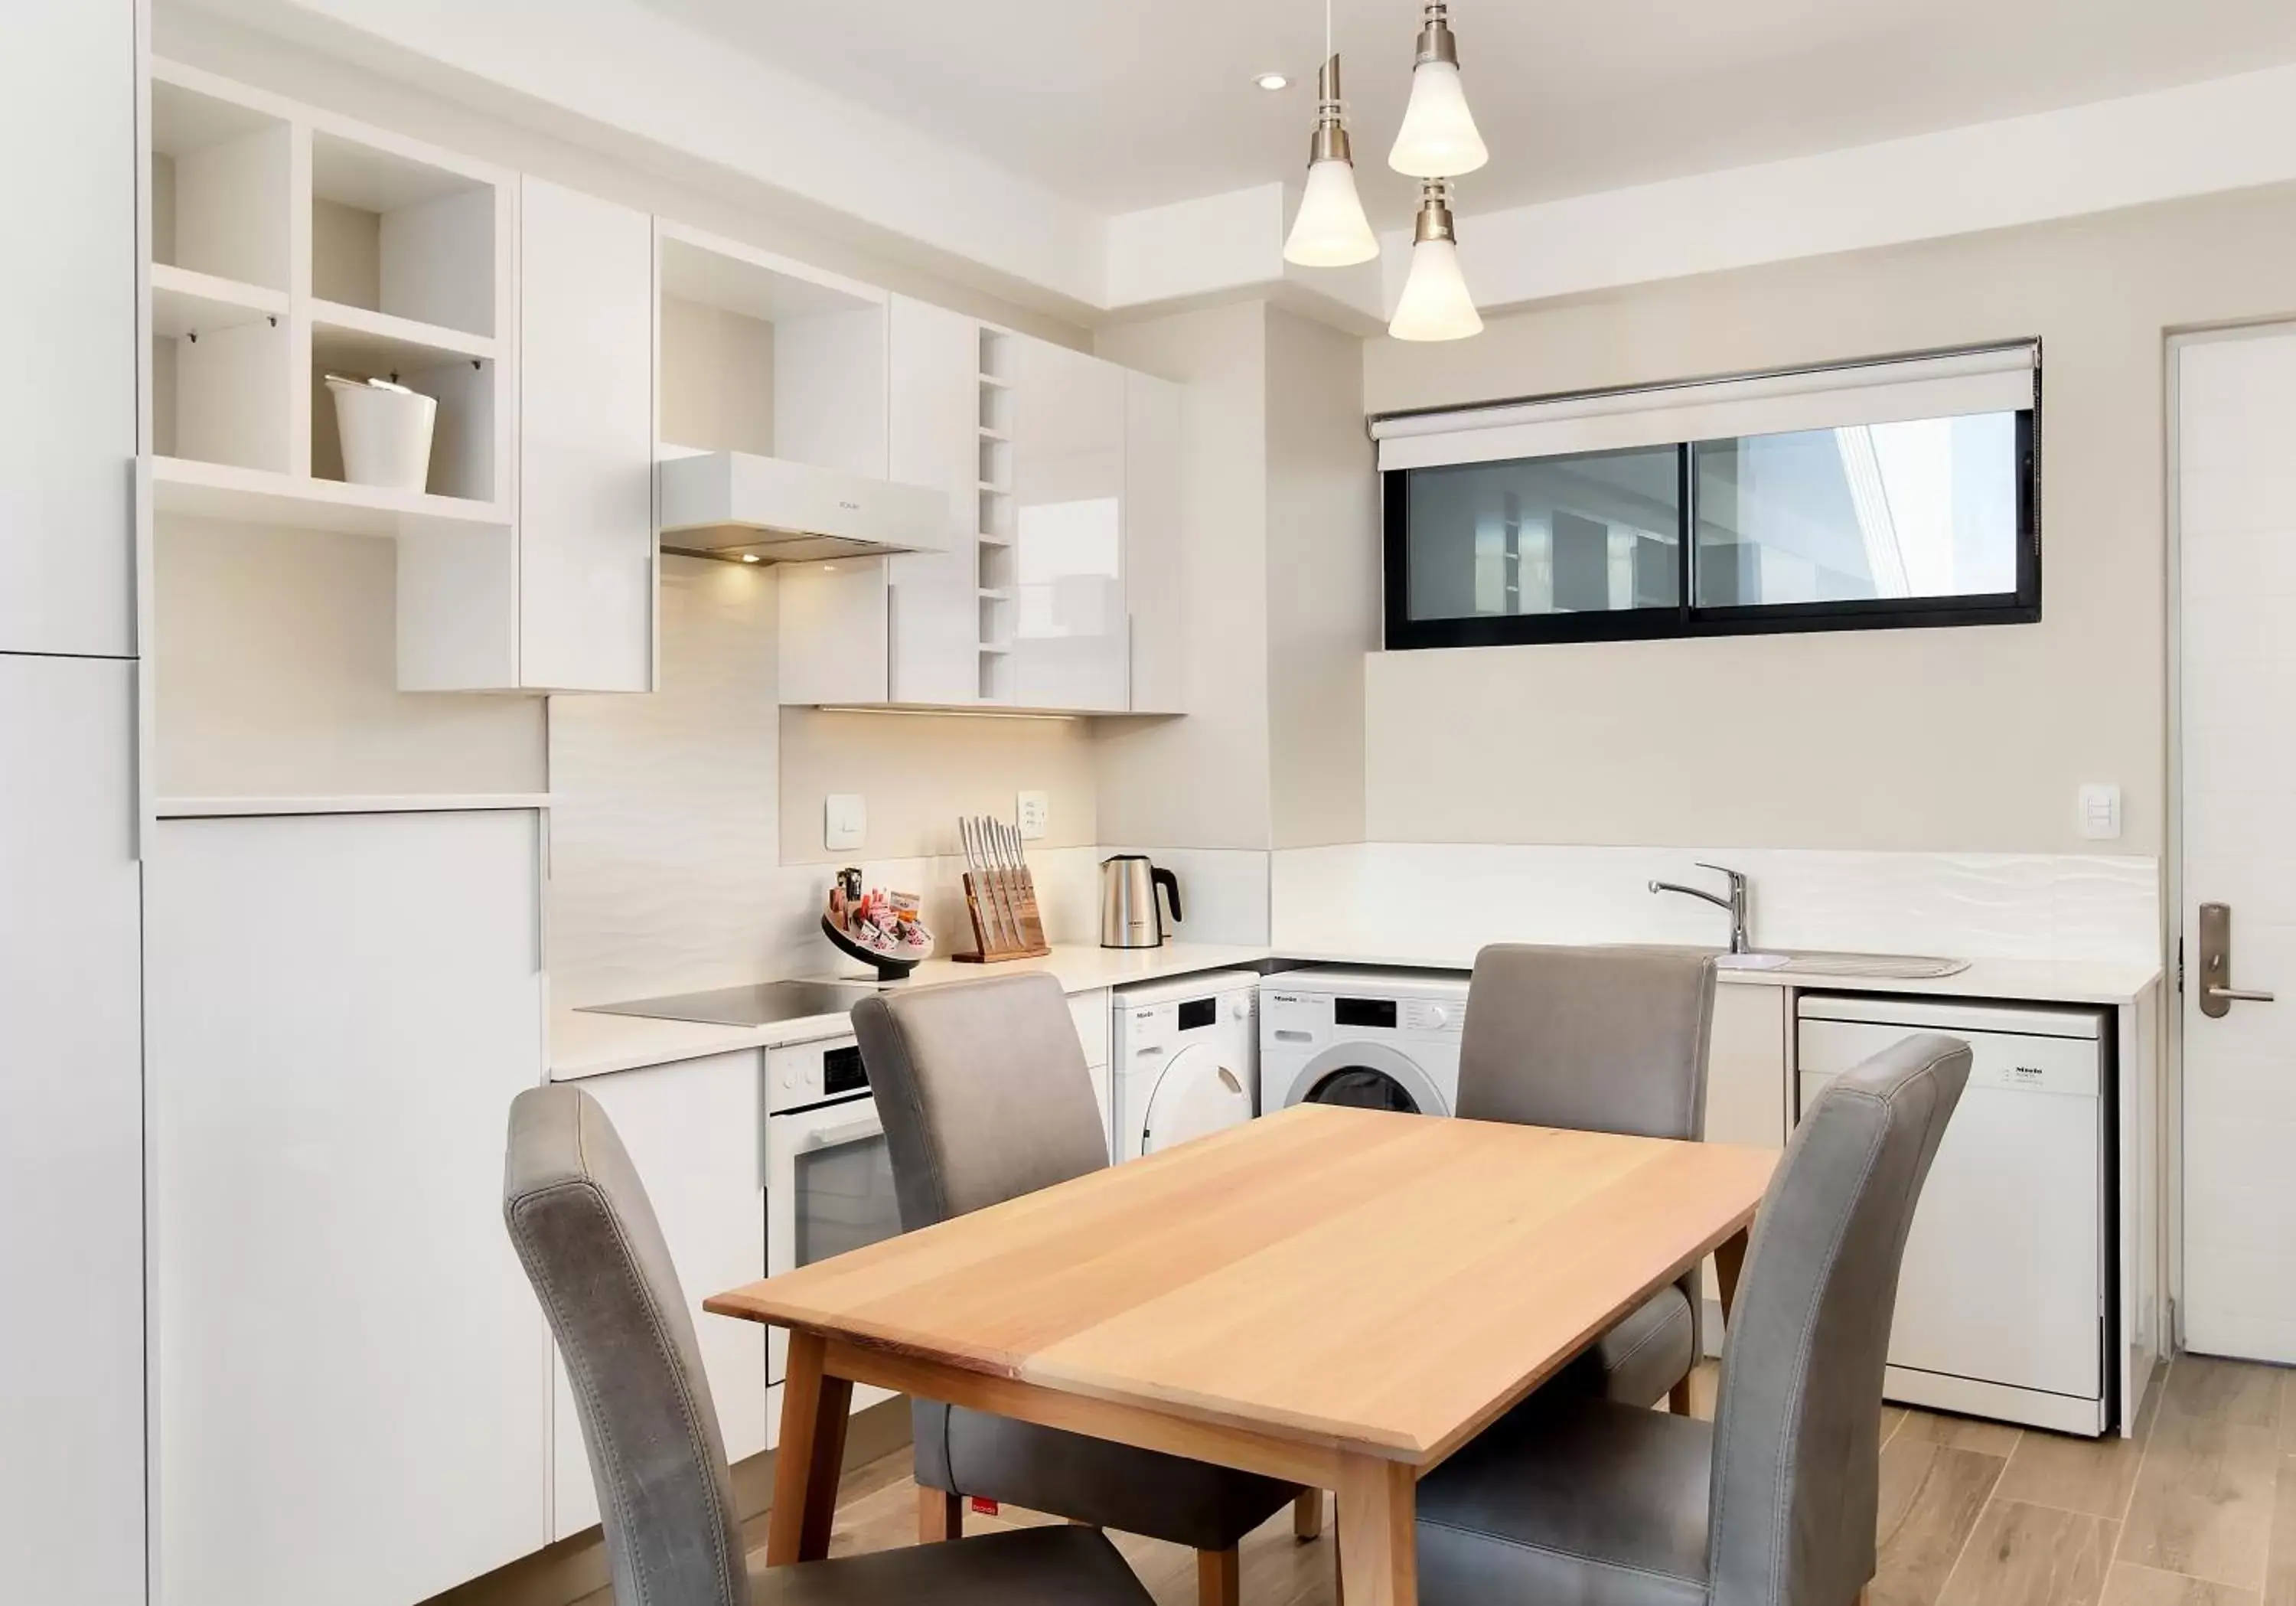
{"x":984,"y":1092}
{"x":1797,"y":1436}
{"x":1595,"y":1038}
{"x":591,"y":1248}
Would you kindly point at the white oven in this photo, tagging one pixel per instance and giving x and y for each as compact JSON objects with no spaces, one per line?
{"x":829,"y":1175}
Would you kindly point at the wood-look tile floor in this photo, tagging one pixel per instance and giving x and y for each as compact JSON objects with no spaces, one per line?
{"x":2198,"y":1509}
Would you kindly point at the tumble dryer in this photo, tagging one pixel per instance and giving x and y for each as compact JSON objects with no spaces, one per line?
{"x":1186,"y":1060}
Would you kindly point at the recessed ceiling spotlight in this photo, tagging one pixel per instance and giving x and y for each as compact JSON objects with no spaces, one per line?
{"x":749,"y":557}
{"x":1272,"y":80}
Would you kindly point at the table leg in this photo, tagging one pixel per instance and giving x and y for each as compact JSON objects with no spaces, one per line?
{"x":1379,"y":1555}
{"x":1729,"y":1261}
{"x":811,"y":1457}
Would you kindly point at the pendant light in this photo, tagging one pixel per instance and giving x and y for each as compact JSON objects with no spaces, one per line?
{"x":1435,"y":303}
{"x":1330,"y":230}
{"x":1438,"y":139}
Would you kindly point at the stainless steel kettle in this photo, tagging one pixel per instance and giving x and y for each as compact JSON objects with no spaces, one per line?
{"x":1129,"y":917}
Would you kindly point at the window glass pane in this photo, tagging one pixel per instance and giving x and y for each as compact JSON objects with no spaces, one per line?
{"x":1545,"y":535}
{"x":1865,"y":513}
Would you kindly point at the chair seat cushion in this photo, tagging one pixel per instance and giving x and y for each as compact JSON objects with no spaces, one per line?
{"x":1026,"y":1566}
{"x":1576,"y":1501}
{"x":1093,"y":1480}
{"x":1636,"y":1362}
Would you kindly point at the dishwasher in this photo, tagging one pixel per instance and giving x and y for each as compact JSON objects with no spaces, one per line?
{"x":2002,"y":1302}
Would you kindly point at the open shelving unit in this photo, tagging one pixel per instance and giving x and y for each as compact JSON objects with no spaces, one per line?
{"x":287,"y":244}
{"x":994,"y":532}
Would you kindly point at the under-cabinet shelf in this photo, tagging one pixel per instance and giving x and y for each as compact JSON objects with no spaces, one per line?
{"x":413,"y":803}
{"x":187,"y":304}
{"x":223,"y":490}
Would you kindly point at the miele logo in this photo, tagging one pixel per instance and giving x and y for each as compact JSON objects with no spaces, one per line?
{"x":2029,"y":1072}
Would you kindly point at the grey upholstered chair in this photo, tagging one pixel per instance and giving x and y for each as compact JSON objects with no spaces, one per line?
{"x":588,"y":1239}
{"x":1594,"y":1501}
{"x":985,"y":1095}
{"x":1601,"y":1040}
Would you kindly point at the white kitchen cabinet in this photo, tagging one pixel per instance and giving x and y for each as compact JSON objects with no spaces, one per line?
{"x":1090,"y":1012}
{"x":695,"y":1134}
{"x":71,"y":1159}
{"x":1154,"y":577}
{"x":935,"y":597}
{"x":1071,"y":645}
{"x":68,"y":393}
{"x":352,"y":1375}
{"x":1748,"y":1087}
{"x":586,"y":540}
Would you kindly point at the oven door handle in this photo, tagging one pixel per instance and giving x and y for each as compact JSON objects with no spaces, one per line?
{"x":834,"y":1137}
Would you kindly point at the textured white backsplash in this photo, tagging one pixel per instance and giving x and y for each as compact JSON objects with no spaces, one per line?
{"x":1442,"y":902}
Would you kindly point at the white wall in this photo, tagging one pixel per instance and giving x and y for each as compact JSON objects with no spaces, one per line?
{"x":275,"y":668}
{"x":1323,"y":581}
{"x":1945,"y":739}
{"x":918,"y":772}
{"x":1202,"y":781}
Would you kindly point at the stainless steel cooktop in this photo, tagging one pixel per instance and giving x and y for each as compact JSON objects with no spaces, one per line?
{"x":758,"y":1005}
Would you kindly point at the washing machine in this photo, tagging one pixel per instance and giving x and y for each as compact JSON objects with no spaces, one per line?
{"x":1379,"y":1039}
{"x":1186,"y":1056}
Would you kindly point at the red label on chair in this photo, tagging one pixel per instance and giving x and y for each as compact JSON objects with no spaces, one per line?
{"x":983,"y":1506}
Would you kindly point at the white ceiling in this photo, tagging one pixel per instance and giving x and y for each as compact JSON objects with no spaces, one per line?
{"x":1138,"y":102}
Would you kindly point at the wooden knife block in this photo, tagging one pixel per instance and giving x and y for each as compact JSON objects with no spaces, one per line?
{"x":1006,"y":923}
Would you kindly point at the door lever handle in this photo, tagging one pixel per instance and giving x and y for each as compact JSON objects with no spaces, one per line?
{"x":2239,"y":995}
{"x":2216,"y":965}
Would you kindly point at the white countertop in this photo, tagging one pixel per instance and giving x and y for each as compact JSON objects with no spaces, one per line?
{"x":2051,"y":981}
{"x":587,"y":1044}
{"x":583,"y":1044}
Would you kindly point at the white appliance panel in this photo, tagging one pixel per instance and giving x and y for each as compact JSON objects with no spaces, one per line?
{"x":2004,"y":1279}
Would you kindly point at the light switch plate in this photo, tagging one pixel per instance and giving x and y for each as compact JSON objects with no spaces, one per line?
{"x":2100,"y":811}
{"x":1034,"y":815}
{"x":845,"y":820}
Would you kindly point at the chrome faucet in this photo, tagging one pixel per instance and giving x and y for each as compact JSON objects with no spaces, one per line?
{"x":1735,"y":903}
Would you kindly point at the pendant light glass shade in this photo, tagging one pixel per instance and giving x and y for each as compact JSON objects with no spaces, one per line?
{"x":1435,"y":304}
{"x":1438,"y":139}
{"x":1330,"y":229}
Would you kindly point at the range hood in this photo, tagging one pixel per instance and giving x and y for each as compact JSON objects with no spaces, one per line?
{"x":737,"y":506}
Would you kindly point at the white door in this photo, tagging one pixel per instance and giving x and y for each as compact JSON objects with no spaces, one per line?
{"x":586,"y":544}
{"x":1071,"y":636}
{"x":352,"y":1398}
{"x":2234,"y":505}
{"x":933,"y":407}
{"x":71,"y":1134}
{"x":68,"y":162}
{"x":1200,"y":1093}
{"x":696,"y":1135}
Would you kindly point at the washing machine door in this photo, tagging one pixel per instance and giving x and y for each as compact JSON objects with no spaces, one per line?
{"x":1367,"y":1075}
{"x":1196,"y":1094}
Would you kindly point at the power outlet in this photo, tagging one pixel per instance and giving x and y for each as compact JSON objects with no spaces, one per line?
{"x":1034,"y":815}
{"x":845,"y":821}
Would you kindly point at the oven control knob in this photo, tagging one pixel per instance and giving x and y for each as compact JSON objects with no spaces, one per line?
{"x":788,"y":1076}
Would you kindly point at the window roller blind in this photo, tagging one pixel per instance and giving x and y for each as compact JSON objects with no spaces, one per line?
{"x":1995,"y":380}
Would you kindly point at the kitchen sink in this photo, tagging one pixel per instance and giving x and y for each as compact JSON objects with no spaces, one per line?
{"x":1908,"y":966}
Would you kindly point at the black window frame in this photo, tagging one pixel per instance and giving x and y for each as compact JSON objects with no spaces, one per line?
{"x":1687,"y":620}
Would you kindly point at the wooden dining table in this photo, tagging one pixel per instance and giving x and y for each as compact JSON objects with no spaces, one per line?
{"x":1337,"y":1297}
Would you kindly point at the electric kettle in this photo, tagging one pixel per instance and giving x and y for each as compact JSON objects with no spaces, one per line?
{"x":1129,"y":917}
